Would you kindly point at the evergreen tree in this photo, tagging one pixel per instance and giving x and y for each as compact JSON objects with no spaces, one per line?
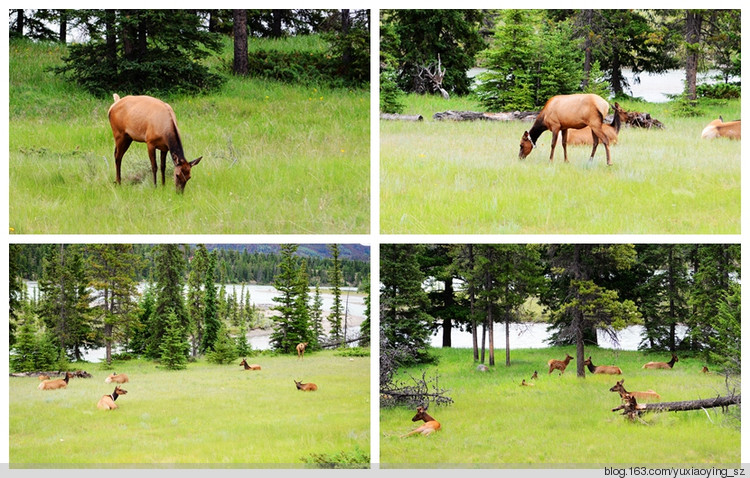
{"x":169,"y":266}
{"x":25,"y":349}
{"x":210,"y":319}
{"x":403,"y":320}
{"x":364,"y":328}
{"x":196,"y":296}
{"x":224,"y":350}
{"x":241,"y":345}
{"x":174,"y":347}
{"x":316,"y":318}
{"x":286,"y":282}
{"x":335,"y":317}
{"x":139,"y":332}
{"x":300,"y":330}
{"x":16,"y":288}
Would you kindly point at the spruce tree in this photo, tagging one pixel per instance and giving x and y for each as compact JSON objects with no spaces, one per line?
{"x":286,"y":282}
{"x":336,"y":279}
{"x":210,"y":317}
{"x":169,"y":264}
{"x":174,"y":347}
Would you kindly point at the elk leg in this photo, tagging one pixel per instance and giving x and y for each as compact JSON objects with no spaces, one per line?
{"x":163,"y":166}
{"x":565,"y":144}
{"x":596,"y":143}
{"x":121,"y":145}
{"x":554,"y":143}
{"x":152,"y":157}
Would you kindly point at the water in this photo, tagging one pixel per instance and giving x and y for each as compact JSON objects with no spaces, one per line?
{"x":534,"y":335}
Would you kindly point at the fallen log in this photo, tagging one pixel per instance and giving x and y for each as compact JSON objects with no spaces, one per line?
{"x":77,"y":373}
{"x":632,"y":409}
{"x":642,"y":120}
{"x":399,"y":117}
{"x":451,"y":115}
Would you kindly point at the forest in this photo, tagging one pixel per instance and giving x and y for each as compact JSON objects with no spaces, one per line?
{"x":167,"y":302}
{"x":576,"y":289}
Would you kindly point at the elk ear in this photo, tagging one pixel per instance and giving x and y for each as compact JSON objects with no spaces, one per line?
{"x":195,"y":161}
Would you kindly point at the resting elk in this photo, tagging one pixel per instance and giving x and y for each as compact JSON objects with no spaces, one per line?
{"x":305,"y":387}
{"x":148,"y":120}
{"x":564,"y":112}
{"x":662,"y":365}
{"x":107,"y":402}
{"x":253,"y":366}
{"x":430,"y":424}
{"x":645,"y":395}
{"x":117,"y":378}
{"x":559,"y":364}
{"x":301,"y":350}
{"x":607,"y":369}
{"x":55,"y":384}
{"x":719,"y":129}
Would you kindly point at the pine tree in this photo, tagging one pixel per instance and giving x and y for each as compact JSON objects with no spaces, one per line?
{"x":210,"y":318}
{"x":335,"y":278}
{"x":316,"y":318}
{"x":286,"y":282}
{"x":169,"y":263}
{"x":224,"y":350}
{"x":195,"y":296}
{"x":174,"y":347}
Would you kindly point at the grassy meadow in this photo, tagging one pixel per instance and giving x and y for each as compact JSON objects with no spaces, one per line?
{"x":465,"y":177}
{"x":211,"y":414}
{"x":277,"y":158}
{"x":562,"y":420}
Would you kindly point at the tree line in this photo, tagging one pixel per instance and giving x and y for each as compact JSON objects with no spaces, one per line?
{"x":577,"y":289}
{"x":139,"y":51}
{"x":89,"y":297}
{"x":531,"y":55}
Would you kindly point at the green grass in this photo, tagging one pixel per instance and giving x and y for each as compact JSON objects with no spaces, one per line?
{"x":562,"y":420}
{"x":277,"y":158}
{"x":206,"y":414}
{"x":465,"y":177}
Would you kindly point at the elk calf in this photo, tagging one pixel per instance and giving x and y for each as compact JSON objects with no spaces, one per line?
{"x":253,"y":366}
{"x":606,"y":369}
{"x":301,"y":350}
{"x":145,"y":119}
{"x":305,"y":387}
{"x":559,"y":364}
{"x":55,"y":384}
{"x":624,"y":394}
{"x":719,"y":129}
{"x":430,"y":424}
{"x":117,"y":378}
{"x":107,"y":402}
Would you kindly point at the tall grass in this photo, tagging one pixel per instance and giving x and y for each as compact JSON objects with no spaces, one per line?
{"x":207,"y":414}
{"x":465,"y":177}
{"x":561,"y":420}
{"x":277,"y":158}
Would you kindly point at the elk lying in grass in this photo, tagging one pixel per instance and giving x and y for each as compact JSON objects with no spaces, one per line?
{"x":559,"y":364}
{"x":606,"y":369}
{"x":719,"y":129}
{"x":705,"y":370}
{"x":644,"y":395}
{"x":663,"y":365}
{"x":301,"y":350}
{"x":252,"y":366}
{"x":117,"y":378}
{"x":306,"y":387}
{"x":430,"y":424}
{"x":107,"y":402}
{"x":585,"y":137}
{"x":148,"y":120}
{"x":524,"y":383}
{"x":43,"y":377}
{"x":55,"y":384}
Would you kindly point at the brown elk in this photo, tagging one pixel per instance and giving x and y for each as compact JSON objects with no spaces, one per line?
{"x":563,"y":112}
{"x":719,"y":129}
{"x":524,"y":383}
{"x":55,"y":384}
{"x":145,"y":119}
{"x":117,"y":378}
{"x":662,"y":365}
{"x":705,"y":370}
{"x":559,"y":364}
{"x":305,"y":387}
{"x":301,"y":350}
{"x":252,"y":366}
{"x":584,"y":136}
{"x":644,"y":395}
{"x":430,"y":424}
{"x":43,"y":376}
{"x":107,"y":402}
{"x":534,"y":376}
{"x":606,"y":369}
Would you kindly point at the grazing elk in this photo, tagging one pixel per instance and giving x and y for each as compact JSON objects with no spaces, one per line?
{"x":430,"y":424}
{"x":605,"y":369}
{"x":305,"y":387}
{"x":719,"y":129}
{"x":584,"y":136}
{"x":534,"y":376}
{"x":563,"y":112}
{"x":301,"y":350}
{"x":117,"y":378}
{"x":253,"y":366}
{"x":663,"y":365}
{"x":107,"y":402}
{"x":645,"y":395}
{"x":55,"y":384}
{"x":148,"y":120}
{"x":559,"y":364}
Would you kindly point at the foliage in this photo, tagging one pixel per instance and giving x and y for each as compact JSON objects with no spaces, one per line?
{"x":34,"y":350}
{"x":357,"y":458}
{"x":212,"y":324}
{"x":173,"y":347}
{"x":719,"y":90}
{"x":224,"y":350}
{"x":390,"y":94}
{"x":725,"y":347}
{"x":291,"y":323}
{"x":353,"y":352}
{"x":597,"y":83}
{"x":335,"y":317}
{"x":170,"y":272}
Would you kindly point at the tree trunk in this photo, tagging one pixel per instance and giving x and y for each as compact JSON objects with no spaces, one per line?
{"x":471,"y":306}
{"x":276,"y":23}
{"x":63,"y":26}
{"x":588,"y":16}
{"x":240,"y":66}
{"x":692,"y":39}
{"x":632,"y":409}
{"x":507,"y":342}
{"x":346,"y":55}
{"x":447,"y":322}
{"x":20,"y":20}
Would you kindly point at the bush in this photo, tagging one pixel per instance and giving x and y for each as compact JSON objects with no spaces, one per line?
{"x":356,"y":458}
{"x":390,"y":94}
{"x":722,"y":91}
{"x":353,"y":352}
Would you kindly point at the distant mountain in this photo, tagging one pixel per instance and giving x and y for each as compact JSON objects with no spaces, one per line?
{"x":354,"y":252}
